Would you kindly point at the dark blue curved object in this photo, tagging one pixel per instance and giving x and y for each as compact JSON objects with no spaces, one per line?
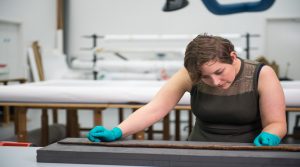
{"x":172,"y":5}
{"x":216,"y":8}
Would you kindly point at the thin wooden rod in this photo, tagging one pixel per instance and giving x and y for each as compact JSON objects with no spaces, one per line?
{"x":188,"y":146}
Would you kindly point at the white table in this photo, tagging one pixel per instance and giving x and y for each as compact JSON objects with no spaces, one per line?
{"x":98,"y":95}
{"x":76,"y":94}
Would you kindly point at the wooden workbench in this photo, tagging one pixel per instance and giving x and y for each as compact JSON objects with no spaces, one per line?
{"x":72,"y":118}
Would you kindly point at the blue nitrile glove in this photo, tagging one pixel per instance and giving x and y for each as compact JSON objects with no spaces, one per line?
{"x":266,"y":139}
{"x":99,"y":133}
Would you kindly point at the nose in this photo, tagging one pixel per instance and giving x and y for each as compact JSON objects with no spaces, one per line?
{"x":215,"y":80}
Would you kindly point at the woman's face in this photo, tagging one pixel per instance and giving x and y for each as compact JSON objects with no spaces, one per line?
{"x":217,"y":74}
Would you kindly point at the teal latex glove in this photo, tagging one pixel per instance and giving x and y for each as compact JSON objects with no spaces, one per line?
{"x":266,"y":139}
{"x":99,"y":133}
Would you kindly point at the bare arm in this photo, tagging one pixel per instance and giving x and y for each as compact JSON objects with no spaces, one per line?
{"x":272,"y":103}
{"x":163,"y":102}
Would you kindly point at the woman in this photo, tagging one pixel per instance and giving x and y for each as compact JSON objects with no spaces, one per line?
{"x":234,"y":100}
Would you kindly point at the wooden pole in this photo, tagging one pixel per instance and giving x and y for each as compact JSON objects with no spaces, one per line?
{"x":187,"y":146}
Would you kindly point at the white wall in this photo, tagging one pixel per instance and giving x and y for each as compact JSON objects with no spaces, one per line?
{"x":282,"y":44}
{"x":38,"y":22}
{"x":146,"y":17}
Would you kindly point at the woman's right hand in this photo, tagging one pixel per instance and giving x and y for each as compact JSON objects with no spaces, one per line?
{"x":99,"y":133}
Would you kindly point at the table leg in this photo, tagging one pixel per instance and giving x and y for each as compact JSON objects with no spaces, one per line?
{"x":55,"y":116}
{"x":177,"y":125}
{"x":121,"y":115}
{"x":166,"y":127}
{"x":287,"y":121}
{"x":72,"y":123}
{"x":6,"y":115}
{"x":139,"y":135}
{"x":16,"y":117}
{"x":150,"y":133}
{"x":45,"y":128}
{"x":190,"y":121}
{"x":98,"y":116}
{"x":21,"y":124}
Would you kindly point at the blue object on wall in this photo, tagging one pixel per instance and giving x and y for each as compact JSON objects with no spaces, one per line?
{"x":216,"y":8}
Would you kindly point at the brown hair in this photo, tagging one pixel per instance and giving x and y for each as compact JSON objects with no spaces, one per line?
{"x":203,"y":49}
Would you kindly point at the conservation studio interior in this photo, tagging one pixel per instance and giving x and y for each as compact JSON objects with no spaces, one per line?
{"x":183,"y":83}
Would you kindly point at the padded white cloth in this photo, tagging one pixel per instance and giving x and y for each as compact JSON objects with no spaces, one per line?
{"x":131,"y":70}
{"x":138,"y":66}
{"x":88,"y":91}
{"x":290,"y":84}
{"x":129,"y":76}
{"x":292,"y":92}
{"x":82,"y":91}
{"x":292,"y":97}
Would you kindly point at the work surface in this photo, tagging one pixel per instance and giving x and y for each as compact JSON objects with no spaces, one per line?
{"x":26,"y":157}
{"x":76,"y":150}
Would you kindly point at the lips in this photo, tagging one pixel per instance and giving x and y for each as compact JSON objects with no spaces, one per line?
{"x":223,"y":86}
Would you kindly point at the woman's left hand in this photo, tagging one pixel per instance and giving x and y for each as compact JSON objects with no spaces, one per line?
{"x":266,"y":139}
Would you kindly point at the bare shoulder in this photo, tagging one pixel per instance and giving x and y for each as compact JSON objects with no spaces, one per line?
{"x":267,"y":72}
{"x":267,"y":78}
{"x":181,"y":79}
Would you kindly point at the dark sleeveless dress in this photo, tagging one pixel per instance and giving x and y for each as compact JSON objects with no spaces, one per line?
{"x":230,"y":115}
